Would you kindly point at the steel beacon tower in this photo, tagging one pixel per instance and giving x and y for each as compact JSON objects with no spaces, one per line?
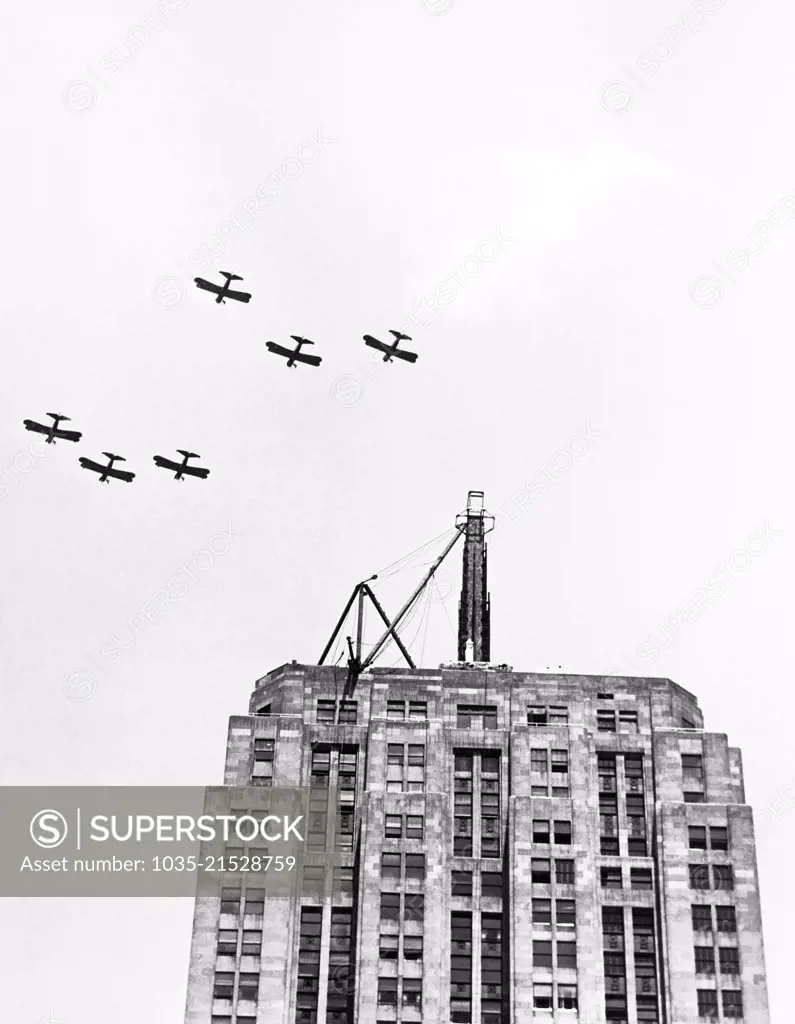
{"x":511,"y":847}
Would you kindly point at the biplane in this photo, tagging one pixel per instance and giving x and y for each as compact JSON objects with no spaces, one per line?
{"x":182,"y":469}
{"x":107,"y":471}
{"x":222,"y":291}
{"x":52,"y":430}
{"x":295,"y":355}
{"x":392,"y":351}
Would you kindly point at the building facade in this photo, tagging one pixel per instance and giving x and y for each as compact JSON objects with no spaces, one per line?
{"x":512,"y":847}
{"x":509,"y":847}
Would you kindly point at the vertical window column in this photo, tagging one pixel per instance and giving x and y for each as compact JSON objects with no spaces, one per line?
{"x":491,"y":970}
{"x":462,"y":797}
{"x":308,"y":965}
{"x":645,"y":965}
{"x":615,"y":964}
{"x":461,"y":969}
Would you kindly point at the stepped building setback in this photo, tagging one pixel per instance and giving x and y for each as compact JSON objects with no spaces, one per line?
{"x":511,"y":847}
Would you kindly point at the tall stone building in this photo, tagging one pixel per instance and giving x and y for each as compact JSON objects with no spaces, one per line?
{"x":511,"y":847}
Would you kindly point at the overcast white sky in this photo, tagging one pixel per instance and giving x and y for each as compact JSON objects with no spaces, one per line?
{"x":446,"y":128}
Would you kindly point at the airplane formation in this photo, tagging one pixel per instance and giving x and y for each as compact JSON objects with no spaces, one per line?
{"x":109,"y":472}
{"x":292,"y":357}
{"x":295,"y":355}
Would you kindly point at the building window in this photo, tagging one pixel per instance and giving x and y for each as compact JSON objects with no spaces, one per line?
{"x":396,"y":710}
{"x":697,"y":836}
{"x":540,"y":871}
{"x":343,"y":879}
{"x":412,"y":992}
{"x":415,"y":825}
{"x":560,"y":762}
{"x":462,"y":883}
{"x":321,"y":767}
{"x":416,"y":768}
{"x":707,"y":1003}
{"x":388,"y":947}
{"x":702,"y":917}
{"x":563,"y":833}
{"x":262,"y":773}
{"x":230,"y":901}
{"x":538,"y":761}
{"x":477,"y":716}
{"x":542,"y":996}
{"x":693,"y":778}
{"x":390,"y":906}
{"x":542,"y":953}
{"x":387,"y":991}
{"x":606,"y":721}
{"x":640,"y":878}
{"x":732,"y":1004}
{"x":567,"y":954}
{"x":491,"y":885}
{"x":252,"y":942}
{"x":348,"y":712}
{"x":393,"y":826}
{"x":395,"y":763}
{"x":567,"y":997}
{"x":540,"y":831}
{"x":227,"y":943}
{"x":414,"y":908}
{"x":542,"y":913}
{"x":564,"y":872}
{"x":326,"y":710}
{"x":729,"y":960}
{"x":418,"y":710}
{"x":705,"y":959}
{"x":390,"y":865}
{"x":565,"y":913}
{"x":412,"y":947}
{"x":699,"y":876}
{"x":538,"y":716}
{"x":611,"y":878}
{"x":723,"y":876}
{"x":223,"y":986}
{"x":628,"y":721}
{"x":249,"y":987}
{"x":718,"y":837}
{"x":727,"y":919}
{"x":415,"y":865}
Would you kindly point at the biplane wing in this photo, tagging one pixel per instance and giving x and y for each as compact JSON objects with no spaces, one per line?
{"x":164,"y":463}
{"x":121,"y":474}
{"x":279,"y":350}
{"x":208,"y":286}
{"x":198,"y":471}
{"x":240,"y":296}
{"x":93,"y":466}
{"x":375,"y":343}
{"x":68,"y":435}
{"x":37,"y":428}
{"x":410,"y":357}
{"x":299,"y":357}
